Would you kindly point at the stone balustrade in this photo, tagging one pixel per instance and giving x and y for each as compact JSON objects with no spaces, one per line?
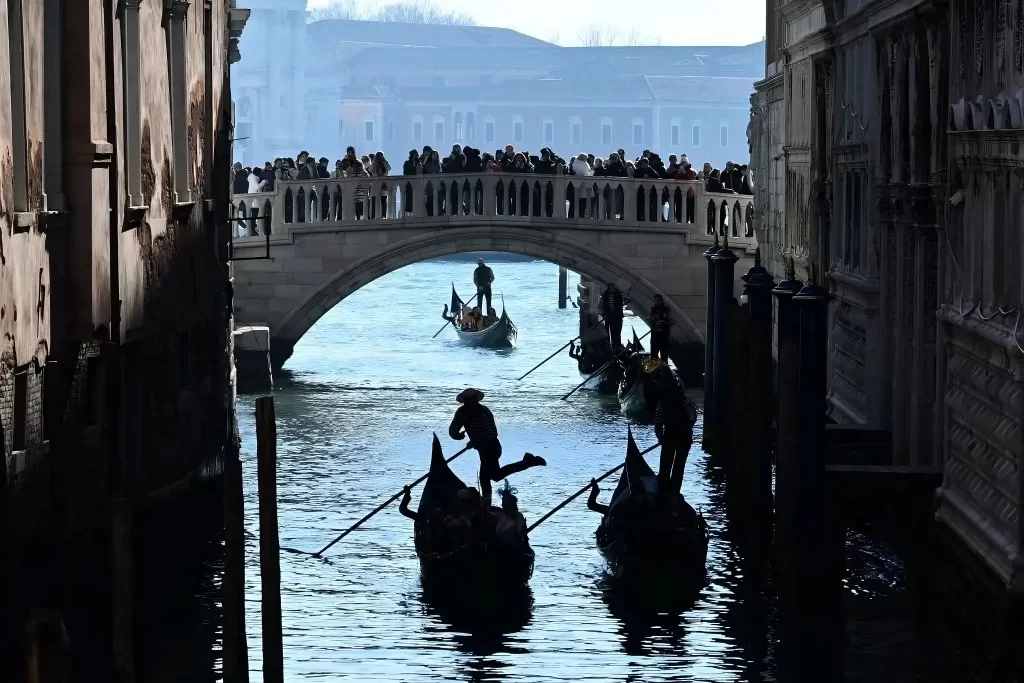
{"x":498,"y":198}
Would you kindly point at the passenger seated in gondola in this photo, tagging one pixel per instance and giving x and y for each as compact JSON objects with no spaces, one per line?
{"x":509,"y":524}
{"x":478,"y":422}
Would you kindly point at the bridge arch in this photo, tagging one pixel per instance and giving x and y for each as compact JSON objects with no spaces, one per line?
{"x":555,"y":246}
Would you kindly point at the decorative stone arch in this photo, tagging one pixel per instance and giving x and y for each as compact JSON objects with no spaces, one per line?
{"x":529,"y":242}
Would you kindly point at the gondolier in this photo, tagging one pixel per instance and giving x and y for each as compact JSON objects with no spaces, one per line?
{"x":483,"y":276}
{"x":674,"y":418}
{"x":477,"y":421}
{"x":611,"y":305}
{"x":661,"y":325}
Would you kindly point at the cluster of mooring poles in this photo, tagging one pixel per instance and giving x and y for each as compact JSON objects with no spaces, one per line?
{"x":746,"y":391}
{"x":236,"y":651}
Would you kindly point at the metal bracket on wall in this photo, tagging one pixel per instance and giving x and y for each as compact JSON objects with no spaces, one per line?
{"x":266,"y":241}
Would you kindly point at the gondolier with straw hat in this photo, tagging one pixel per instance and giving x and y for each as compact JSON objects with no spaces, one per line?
{"x":475,"y":419}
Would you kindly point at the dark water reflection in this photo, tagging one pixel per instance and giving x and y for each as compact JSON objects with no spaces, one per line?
{"x":364,"y":391}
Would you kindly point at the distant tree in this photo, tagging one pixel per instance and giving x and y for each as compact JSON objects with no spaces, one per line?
{"x":422,"y":13}
{"x":608,"y":36}
{"x":555,"y":38}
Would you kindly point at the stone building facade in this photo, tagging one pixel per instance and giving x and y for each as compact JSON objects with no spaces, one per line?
{"x":404,"y":86}
{"x":902,"y":189}
{"x":115,"y":127}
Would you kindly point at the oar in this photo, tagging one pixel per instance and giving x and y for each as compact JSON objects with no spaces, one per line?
{"x":449,"y":322}
{"x":561,"y":349}
{"x":584,"y":489}
{"x":380,"y":507}
{"x":595,"y":374}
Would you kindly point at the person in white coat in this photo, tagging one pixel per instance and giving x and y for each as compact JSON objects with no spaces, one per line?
{"x":581,"y":168}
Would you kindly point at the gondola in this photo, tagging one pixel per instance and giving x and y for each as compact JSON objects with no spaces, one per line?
{"x":600,"y":374}
{"x":482,"y":560}
{"x":640,"y":542}
{"x":501,"y":334}
{"x":644,"y":379}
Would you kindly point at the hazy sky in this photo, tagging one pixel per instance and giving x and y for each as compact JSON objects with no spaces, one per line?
{"x":664,"y":22}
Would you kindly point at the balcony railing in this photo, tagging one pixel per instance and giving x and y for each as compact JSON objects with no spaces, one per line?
{"x":500,"y":198}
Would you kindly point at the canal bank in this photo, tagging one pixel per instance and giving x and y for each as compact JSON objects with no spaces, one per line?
{"x":355,"y":416}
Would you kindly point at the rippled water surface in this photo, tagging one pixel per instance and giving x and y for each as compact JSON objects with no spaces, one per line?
{"x":360,"y":398}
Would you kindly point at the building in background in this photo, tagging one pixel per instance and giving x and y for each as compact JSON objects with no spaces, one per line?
{"x":115,"y":360}
{"x":394,"y":87}
{"x":887,"y":142}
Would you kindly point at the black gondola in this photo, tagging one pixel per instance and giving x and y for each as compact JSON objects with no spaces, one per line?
{"x":482,"y":558}
{"x":644,"y":380}
{"x":500,"y":334}
{"x":598,"y":368}
{"x":636,"y":540}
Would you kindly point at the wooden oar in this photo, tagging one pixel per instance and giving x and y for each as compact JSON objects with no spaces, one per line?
{"x":561,"y":349}
{"x":595,"y":374}
{"x":584,"y":489}
{"x":380,"y":507}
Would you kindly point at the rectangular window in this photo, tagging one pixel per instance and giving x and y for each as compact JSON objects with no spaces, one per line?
{"x":517,"y":131}
{"x":606,"y":133}
{"x":695,"y":136}
{"x":489,"y":131}
{"x":368,"y":131}
{"x":723,"y":134}
{"x":487,"y":80}
{"x":131,"y":68}
{"x":175,"y":24}
{"x":341,"y":127}
{"x":549,"y":133}
{"x":675,"y":136}
{"x":17,"y":64}
{"x":439,"y":131}
{"x":577,"y":133}
{"x":638,"y":134}
{"x":417,"y":132}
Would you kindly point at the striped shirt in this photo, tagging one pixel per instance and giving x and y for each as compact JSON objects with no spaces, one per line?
{"x":478,"y":422}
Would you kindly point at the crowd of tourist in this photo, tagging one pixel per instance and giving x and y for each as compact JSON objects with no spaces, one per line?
{"x":733,"y":178}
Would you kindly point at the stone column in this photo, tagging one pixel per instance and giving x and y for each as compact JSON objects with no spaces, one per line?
{"x":758,"y":286}
{"x":786,"y":378}
{"x":709,"y":337}
{"x":725,"y":264}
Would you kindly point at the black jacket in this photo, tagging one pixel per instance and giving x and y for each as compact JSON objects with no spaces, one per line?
{"x":544,"y":166}
{"x":612,"y":303}
{"x":645,"y":173}
{"x":483,"y":276}
{"x":409,"y":167}
{"x":660,"y":318}
{"x":616,"y":169}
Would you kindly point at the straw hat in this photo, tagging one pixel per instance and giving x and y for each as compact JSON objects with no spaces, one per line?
{"x":470,"y":395}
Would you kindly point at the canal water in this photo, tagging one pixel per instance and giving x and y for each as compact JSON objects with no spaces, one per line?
{"x":356,"y":407}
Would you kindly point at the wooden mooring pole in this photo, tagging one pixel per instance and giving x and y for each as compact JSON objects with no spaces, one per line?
{"x":709,"y":344}
{"x":270,"y":551}
{"x":563,"y":286}
{"x":236,"y":650}
{"x":725,"y":268}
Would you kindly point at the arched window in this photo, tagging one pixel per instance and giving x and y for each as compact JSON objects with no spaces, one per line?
{"x":458,"y":127}
{"x":489,"y":129}
{"x":695,"y":134}
{"x":470,"y":126}
{"x":517,"y":129}
{"x":438,"y":129}
{"x":417,"y":129}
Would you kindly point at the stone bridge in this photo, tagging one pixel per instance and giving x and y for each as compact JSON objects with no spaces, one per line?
{"x":329,"y":237}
